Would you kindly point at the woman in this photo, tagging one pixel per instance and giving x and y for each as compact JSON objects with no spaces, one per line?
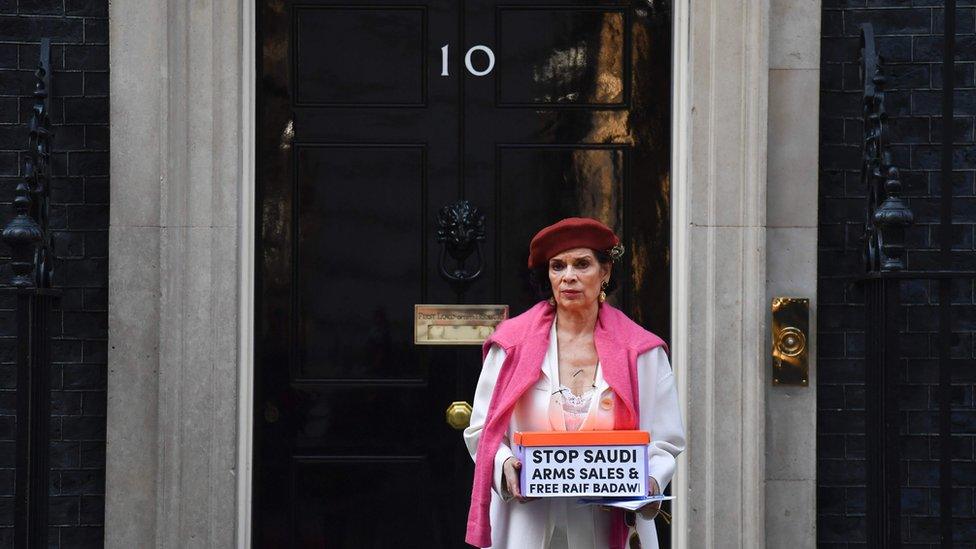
{"x":570,"y":362}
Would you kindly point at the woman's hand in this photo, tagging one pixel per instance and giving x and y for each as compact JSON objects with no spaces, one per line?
{"x":510,"y":470}
{"x":650,"y":510}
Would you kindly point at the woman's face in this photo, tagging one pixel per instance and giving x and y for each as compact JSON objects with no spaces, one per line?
{"x":575,"y":276}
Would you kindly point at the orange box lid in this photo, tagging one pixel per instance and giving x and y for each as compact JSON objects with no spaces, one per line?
{"x":581,"y":438}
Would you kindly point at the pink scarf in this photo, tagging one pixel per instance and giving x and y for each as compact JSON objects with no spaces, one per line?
{"x":525,"y":339}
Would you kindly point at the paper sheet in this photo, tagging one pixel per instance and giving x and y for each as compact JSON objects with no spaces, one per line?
{"x":629,"y":504}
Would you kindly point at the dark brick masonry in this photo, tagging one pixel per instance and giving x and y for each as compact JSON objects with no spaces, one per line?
{"x":79,"y":33}
{"x":910,"y":39}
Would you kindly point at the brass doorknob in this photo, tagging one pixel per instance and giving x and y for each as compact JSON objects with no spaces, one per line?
{"x":459,"y":415}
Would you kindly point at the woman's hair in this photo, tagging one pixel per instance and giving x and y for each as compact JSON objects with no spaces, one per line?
{"x":539,"y":277}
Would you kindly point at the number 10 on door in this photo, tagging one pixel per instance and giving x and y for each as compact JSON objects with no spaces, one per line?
{"x":445,"y":54}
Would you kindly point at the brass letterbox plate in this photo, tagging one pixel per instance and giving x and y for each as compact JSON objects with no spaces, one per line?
{"x":791,"y":335}
{"x":456,"y":324}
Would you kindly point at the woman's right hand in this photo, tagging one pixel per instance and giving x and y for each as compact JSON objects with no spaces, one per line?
{"x":510,"y":470}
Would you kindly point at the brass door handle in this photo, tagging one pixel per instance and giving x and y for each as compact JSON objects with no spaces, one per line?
{"x":458,"y":415}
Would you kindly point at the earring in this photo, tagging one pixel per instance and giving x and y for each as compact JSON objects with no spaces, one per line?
{"x":603,"y":292}
{"x":552,"y":301}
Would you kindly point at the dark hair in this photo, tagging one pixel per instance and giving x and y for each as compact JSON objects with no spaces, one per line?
{"x":539,"y":277}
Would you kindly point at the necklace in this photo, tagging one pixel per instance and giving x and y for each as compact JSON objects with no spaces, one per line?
{"x":568,"y":393}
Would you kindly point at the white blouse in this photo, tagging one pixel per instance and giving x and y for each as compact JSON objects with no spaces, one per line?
{"x":559,"y":522}
{"x":575,"y":408}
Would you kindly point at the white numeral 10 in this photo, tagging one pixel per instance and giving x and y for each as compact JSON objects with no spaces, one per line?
{"x":467,"y":60}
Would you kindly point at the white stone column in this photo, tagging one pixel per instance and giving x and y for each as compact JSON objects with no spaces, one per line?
{"x":719,"y":270}
{"x":791,"y":266}
{"x":176,"y":175}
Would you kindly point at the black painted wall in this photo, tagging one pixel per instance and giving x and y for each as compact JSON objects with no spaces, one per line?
{"x":80,"y":191}
{"x":910,"y":39}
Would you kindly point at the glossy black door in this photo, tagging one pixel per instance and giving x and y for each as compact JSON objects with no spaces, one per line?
{"x":361,"y":140}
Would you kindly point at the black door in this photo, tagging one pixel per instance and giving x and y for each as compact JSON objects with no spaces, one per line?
{"x":362,"y":138}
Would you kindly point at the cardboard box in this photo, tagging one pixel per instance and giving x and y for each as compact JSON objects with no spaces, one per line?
{"x":583,"y":463}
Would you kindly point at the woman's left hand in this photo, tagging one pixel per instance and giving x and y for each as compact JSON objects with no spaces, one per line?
{"x":650,"y":510}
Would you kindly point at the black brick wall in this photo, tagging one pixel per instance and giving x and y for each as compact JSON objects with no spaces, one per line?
{"x":909,"y":35}
{"x":79,"y":33}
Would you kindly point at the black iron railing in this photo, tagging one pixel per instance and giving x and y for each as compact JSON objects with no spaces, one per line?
{"x":887,"y":215}
{"x":889,"y":273}
{"x":31,"y":272}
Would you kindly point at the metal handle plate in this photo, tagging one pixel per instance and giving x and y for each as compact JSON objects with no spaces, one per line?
{"x":790,"y":335}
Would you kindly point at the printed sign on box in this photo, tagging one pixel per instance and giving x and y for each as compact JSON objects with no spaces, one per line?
{"x":583,"y":463}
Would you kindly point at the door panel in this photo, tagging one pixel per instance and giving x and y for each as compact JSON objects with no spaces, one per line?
{"x":319,"y":483}
{"x":561,"y":57}
{"x":358,"y":269}
{"x":332,"y":70}
{"x":361,"y":141}
{"x":540,"y":182}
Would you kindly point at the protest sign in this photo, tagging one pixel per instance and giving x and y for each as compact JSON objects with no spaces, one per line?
{"x":583,"y":463}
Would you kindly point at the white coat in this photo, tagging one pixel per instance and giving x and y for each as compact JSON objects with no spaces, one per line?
{"x":559,"y":522}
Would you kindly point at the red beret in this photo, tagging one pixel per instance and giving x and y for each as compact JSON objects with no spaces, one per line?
{"x":572,"y":232}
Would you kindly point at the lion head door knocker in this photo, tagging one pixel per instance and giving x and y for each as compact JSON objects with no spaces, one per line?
{"x":461,"y":232}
